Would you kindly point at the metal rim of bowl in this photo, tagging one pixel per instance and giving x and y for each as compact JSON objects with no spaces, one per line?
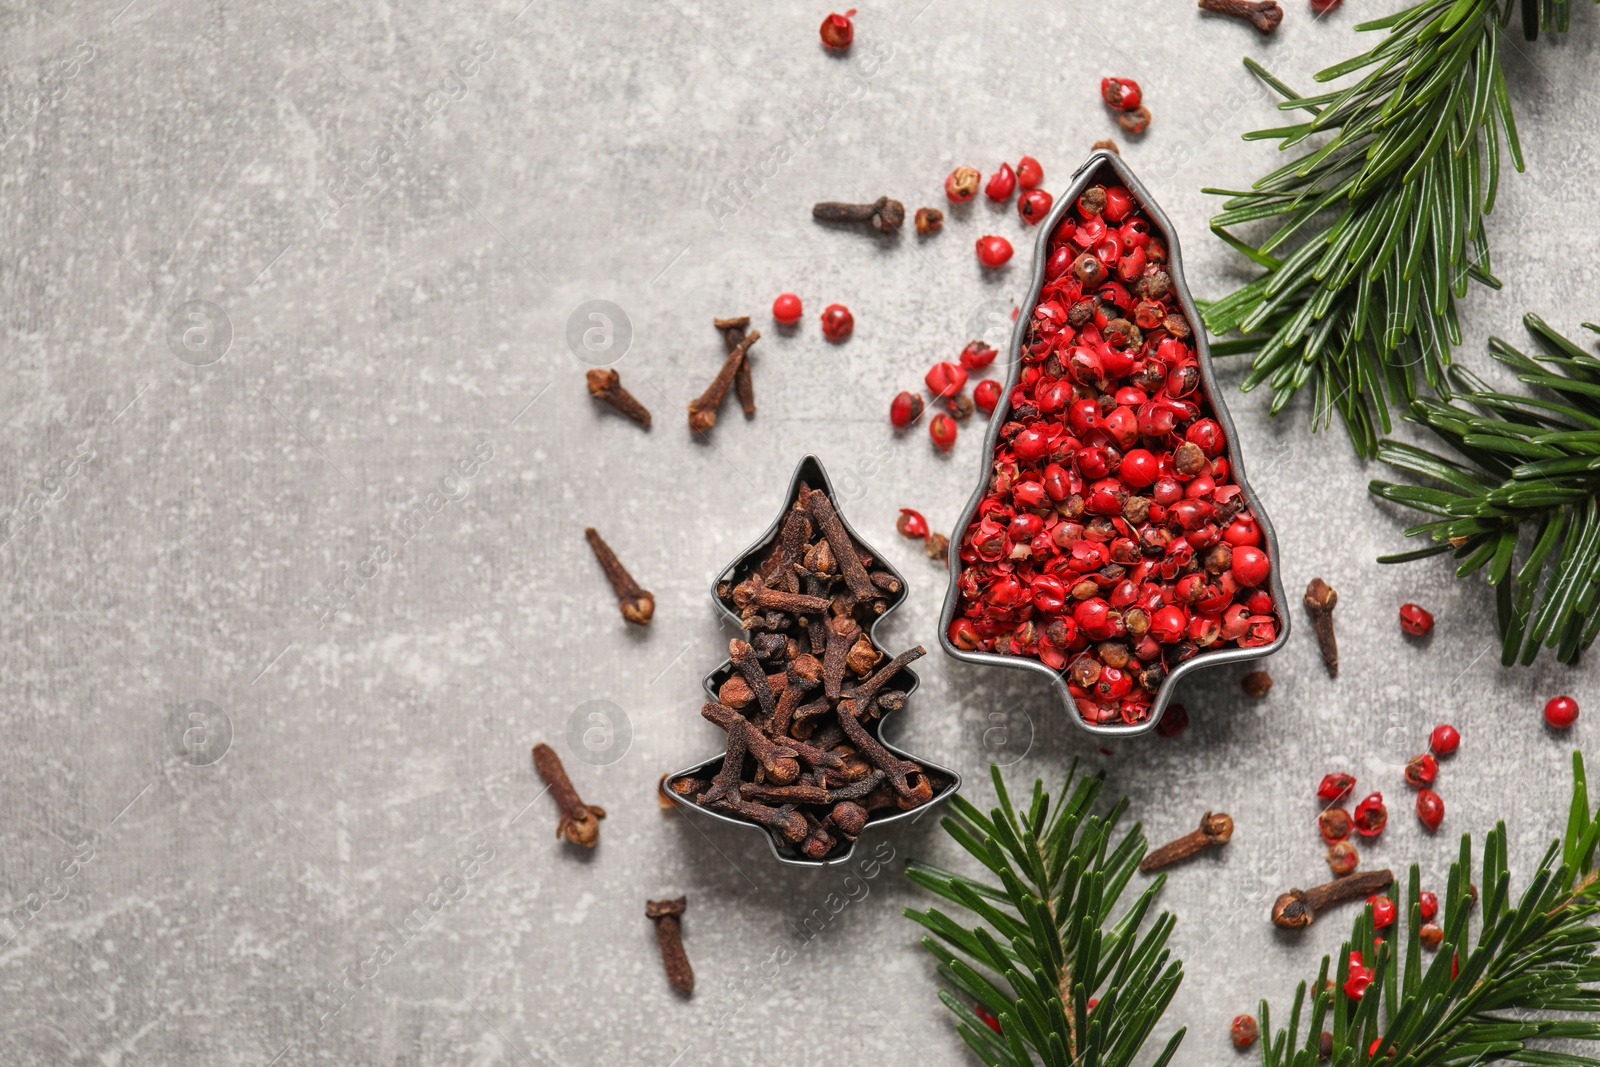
{"x":1082,"y":178}
{"x":811,"y":471}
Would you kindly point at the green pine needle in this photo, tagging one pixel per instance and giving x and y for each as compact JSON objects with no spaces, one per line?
{"x":1520,"y":463}
{"x":1538,"y":952}
{"x":1380,"y":225}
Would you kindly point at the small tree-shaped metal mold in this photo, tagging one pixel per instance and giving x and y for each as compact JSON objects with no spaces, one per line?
{"x":806,"y":690}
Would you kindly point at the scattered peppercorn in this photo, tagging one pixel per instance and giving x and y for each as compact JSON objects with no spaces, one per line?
{"x":937,"y":547}
{"x":1430,"y":808}
{"x":945,"y":380}
{"x":986,"y":394}
{"x":1334,"y":824}
{"x":1002,"y":183}
{"x":905,"y":409}
{"x":1256,"y":684}
{"x":837,"y":323}
{"x":1421,"y":770}
{"x":929,"y":220}
{"x":1135,"y":121}
{"x":1383,"y":911}
{"x":962,"y":184}
{"x":786,"y":310}
{"x":1431,"y":935}
{"x":1174,"y":722}
{"x":1371,"y":816}
{"x":993,"y":252}
{"x":1343,"y":858}
{"x":838,"y":31}
{"x":1444,"y":740}
{"x":1336,"y":786}
{"x":942,"y":429}
{"x":1561,"y":712}
{"x":1108,"y":144}
{"x":1030,"y":175}
{"x":1120,"y":93}
{"x":911,"y":524}
{"x":1033,"y":206}
{"x":1416,"y":620}
{"x":1244,"y":1031}
{"x":1428,"y":905}
{"x":987,"y":1016}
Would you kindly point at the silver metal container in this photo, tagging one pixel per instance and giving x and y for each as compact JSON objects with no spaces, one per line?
{"x":1107,"y":168}
{"x":811,"y":472}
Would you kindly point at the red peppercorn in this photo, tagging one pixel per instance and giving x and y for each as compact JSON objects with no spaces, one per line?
{"x":1034,"y":205}
{"x":1030,"y":175}
{"x":1120,"y":93}
{"x":1002,"y":183}
{"x":942,"y":428}
{"x":993,"y":252}
{"x":1431,"y":935}
{"x":905,"y":409}
{"x":911,"y":524}
{"x":1342,"y":858}
{"x":838,"y":31}
{"x":962,"y":184}
{"x":1444,"y":740}
{"x":986,"y":394}
{"x":1561,"y":712}
{"x":1383,"y":911}
{"x":1174,"y":721}
{"x":786,"y":309}
{"x":964,"y":635}
{"x":945,"y":380}
{"x":1355,"y":985}
{"x":1430,"y":808}
{"x":1421,"y":771}
{"x":977,"y":355}
{"x":1243,"y":1031}
{"x":1322,"y":7}
{"x":1371,"y":816}
{"x":987,"y":1016}
{"x":837,"y":322}
{"x":1250,"y":565}
{"x":1242,"y":531}
{"x":1428,"y":904}
{"x":1334,"y":824}
{"x":1415,"y":620}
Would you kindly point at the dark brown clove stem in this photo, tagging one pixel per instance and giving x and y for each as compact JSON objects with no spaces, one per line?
{"x":637,"y":604}
{"x":1214,"y":831}
{"x":844,"y":549}
{"x":580,"y":822}
{"x":606,"y":384}
{"x":785,"y":821}
{"x":743,"y":386}
{"x":1320,"y":600}
{"x":1264,"y":15}
{"x":669,"y":935}
{"x":884,"y":214}
{"x":1298,"y":908}
{"x":897,"y":770}
{"x":778,"y":761}
{"x":703,"y":409}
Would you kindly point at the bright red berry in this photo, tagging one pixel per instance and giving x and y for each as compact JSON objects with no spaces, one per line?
{"x":1561,"y":712}
{"x":1431,"y":935}
{"x":1444,"y":740}
{"x":1428,"y":904}
{"x":1250,"y":565}
{"x":1030,"y":175}
{"x":1334,"y":824}
{"x":1371,"y":816}
{"x":837,"y":322}
{"x":1357,"y":982}
{"x":962,"y":184}
{"x":1120,"y":93}
{"x":993,"y":252}
{"x":986,"y":394}
{"x":1002,"y":183}
{"x":911,"y":524}
{"x":1322,"y":7}
{"x":1243,"y":1031}
{"x":987,"y":1016}
{"x":1430,"y":808}
{"x":837,"y":30}
{"x":1336,"y":786}
{"x":1421,"y":771}
{"x":945,"y":380}
{"x":786,"y":309}
{"x":1382,"y":912}
{"x":1415,"y":620}
{"x":905,"y":409}
{"x":942,"y":428}
{"x":1033,"y":206}
{"x":977,"y":355}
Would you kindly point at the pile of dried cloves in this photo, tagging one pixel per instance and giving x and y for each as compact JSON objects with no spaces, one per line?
{"x":803,"y":689}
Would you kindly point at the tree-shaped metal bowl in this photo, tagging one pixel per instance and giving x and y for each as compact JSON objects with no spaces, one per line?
{"x":811,"y":473}
{"x":1106,"y":168}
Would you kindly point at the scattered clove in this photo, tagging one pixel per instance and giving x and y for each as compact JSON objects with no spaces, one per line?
{"x":929,"y":220}
{"x":1320,"y":601}
{"x":1214,"y":831}
{"x":580,"y":822}
{"x":638,"y":605}
{"x":1264,"y":15}
{"x":743,"y":385}
{"x":885,"y":215}
{"x":605,"y":384}
{"x":669,"y":935}
{"x":1298,"y":908}
{"x":703,"y":409}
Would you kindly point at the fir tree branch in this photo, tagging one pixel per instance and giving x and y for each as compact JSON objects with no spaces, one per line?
{"x":1380,"y":228}
{"x":1519,"y":463}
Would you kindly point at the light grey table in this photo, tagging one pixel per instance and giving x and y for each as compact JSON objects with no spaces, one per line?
{"x":263,"y":831}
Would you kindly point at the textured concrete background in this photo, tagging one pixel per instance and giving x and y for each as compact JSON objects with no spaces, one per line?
{"x":244,"y":828}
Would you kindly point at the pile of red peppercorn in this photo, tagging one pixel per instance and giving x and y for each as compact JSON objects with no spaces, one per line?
{"x":1112,"y":542}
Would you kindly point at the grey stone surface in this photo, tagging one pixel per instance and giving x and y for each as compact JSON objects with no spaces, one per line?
{"x":233,"y":801}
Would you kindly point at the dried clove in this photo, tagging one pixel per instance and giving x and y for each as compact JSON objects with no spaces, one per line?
{"x":669,"y":935}
{"x":1214,"y":831}
{"x":703,"y":409}
{"x":606,"y":385}
{"x":1320,"y":601}
{"x":884,"y":214}
{"x":1297,"y":908}
{"x":1264,"y":15}
{"x":638,"y":605}
{"x":743,"y":386}
{"x":580,"y":822}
